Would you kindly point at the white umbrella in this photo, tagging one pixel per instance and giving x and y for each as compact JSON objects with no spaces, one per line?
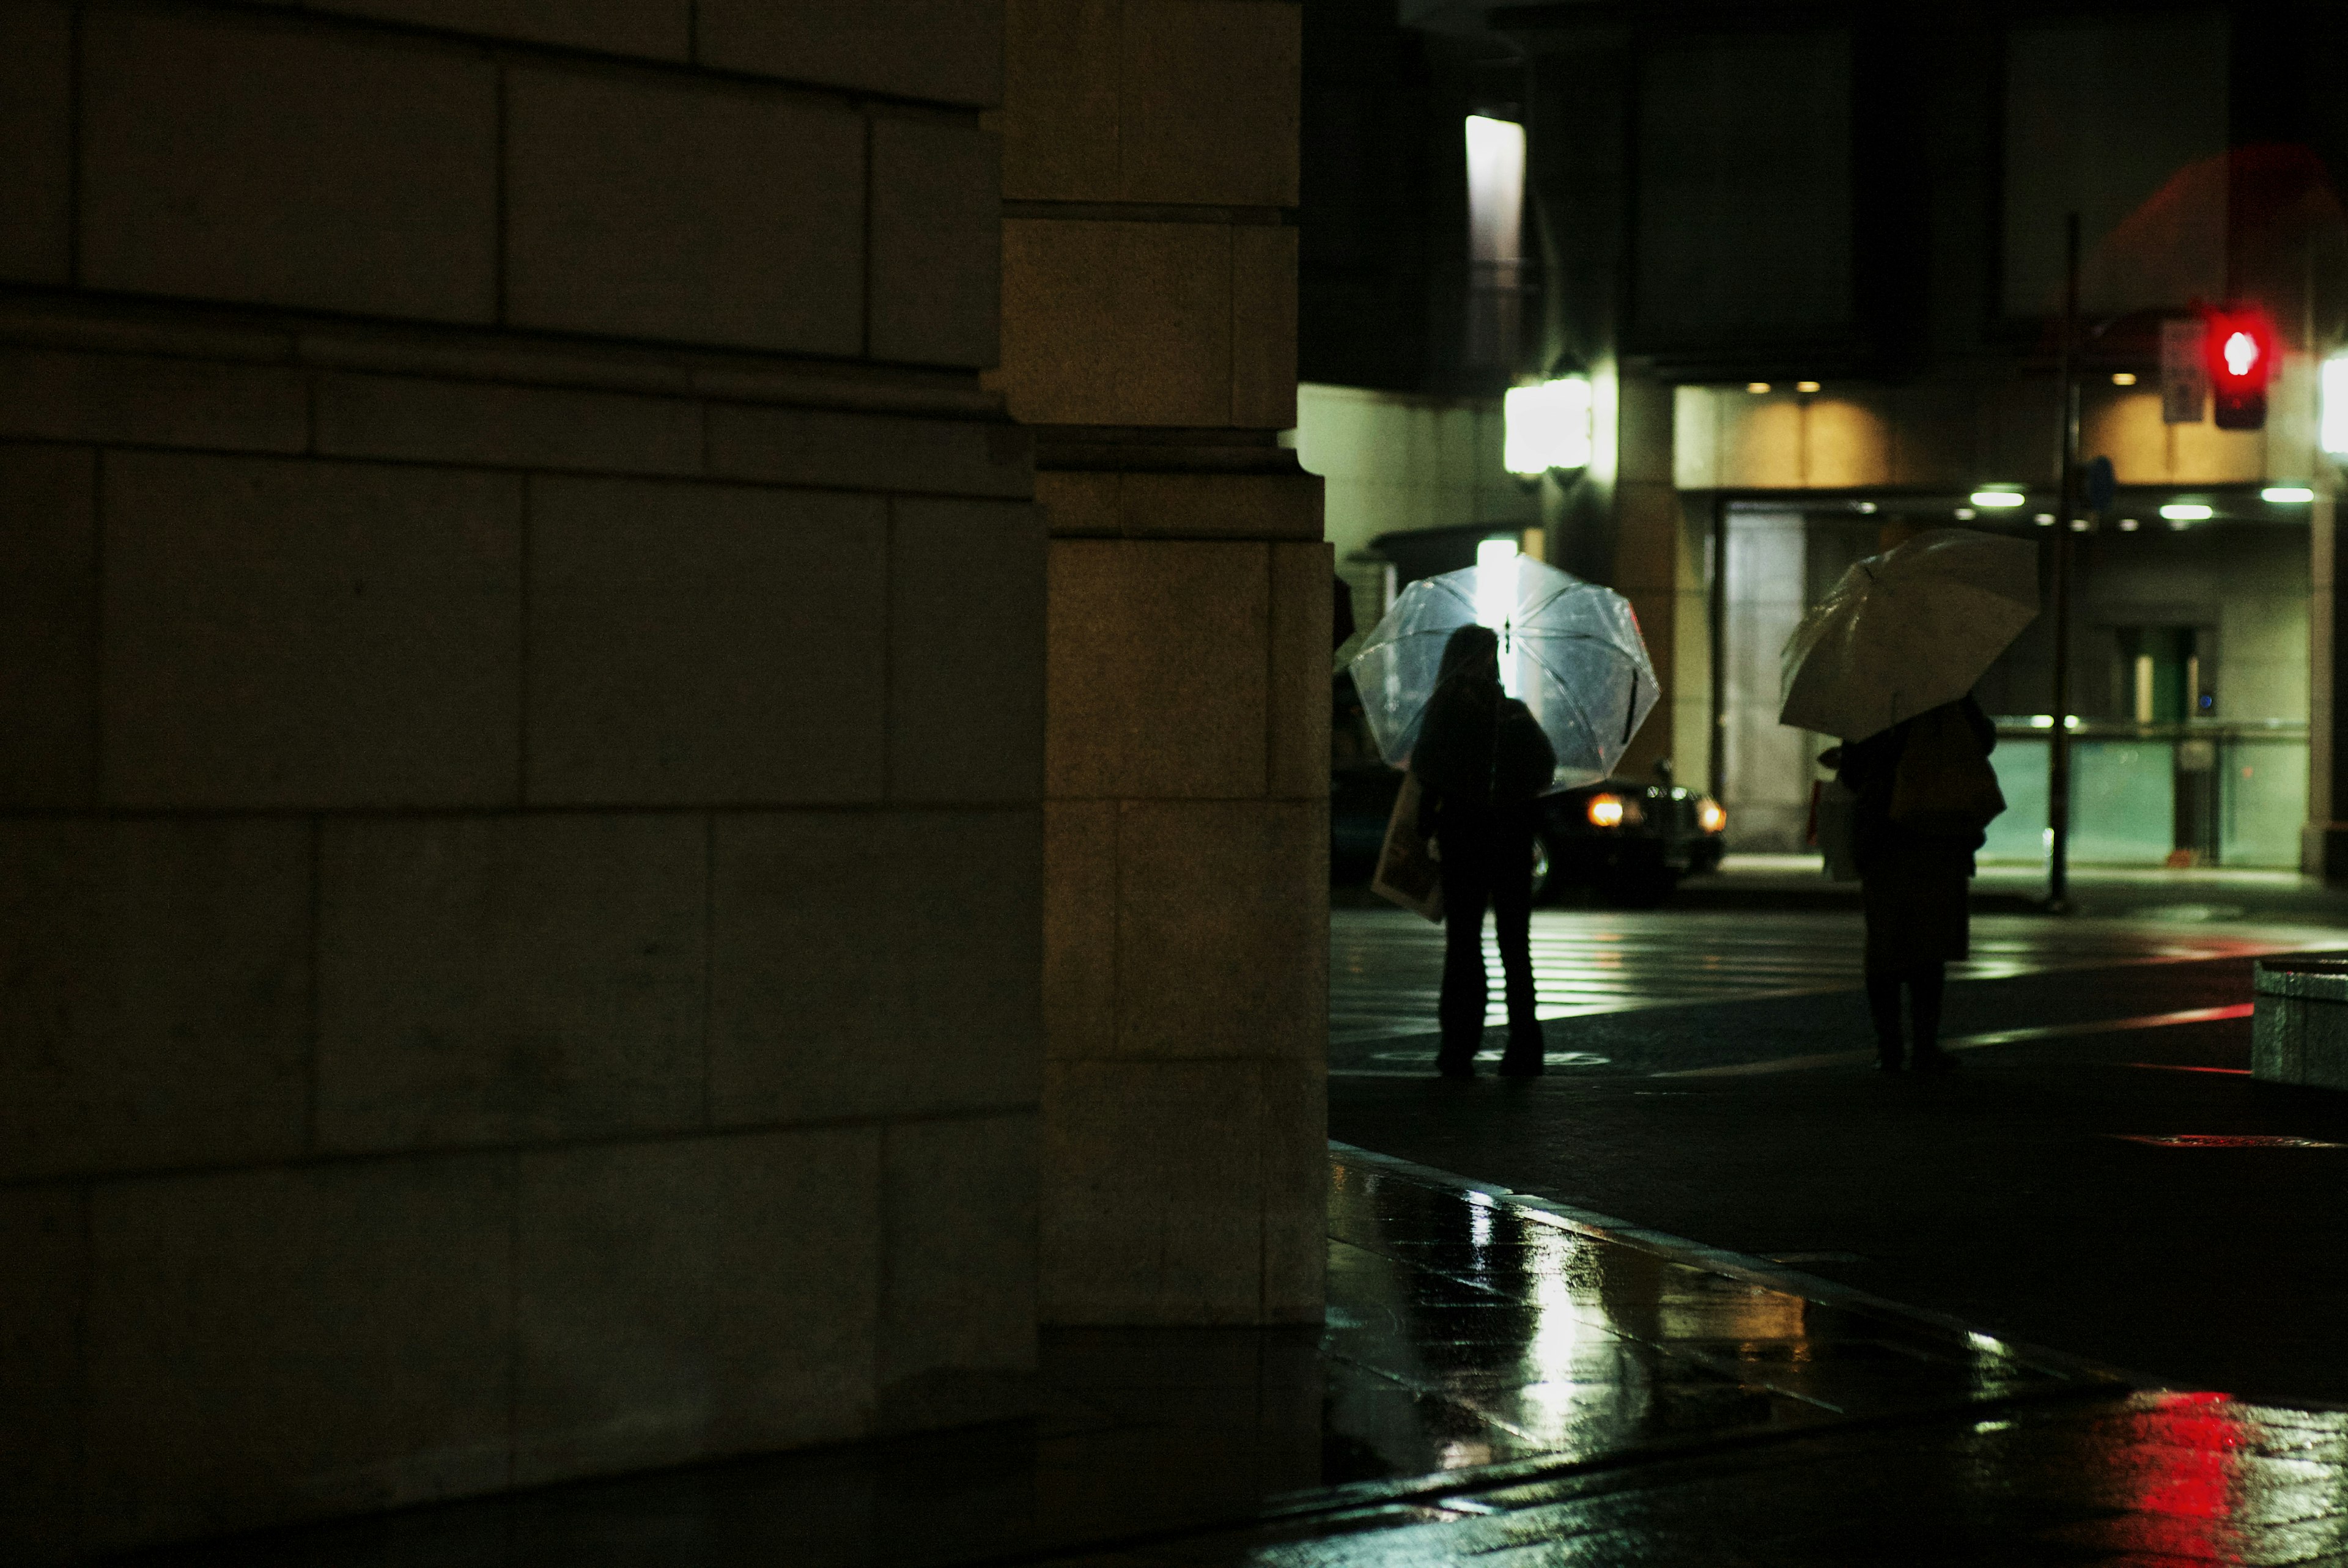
{"x":1906,"y":630}
{"x":1570,"y":650}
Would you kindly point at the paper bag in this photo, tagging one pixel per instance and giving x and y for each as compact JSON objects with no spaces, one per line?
{"x":1407,"y":873}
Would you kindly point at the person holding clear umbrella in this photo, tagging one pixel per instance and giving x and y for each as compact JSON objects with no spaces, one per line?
{"x":1480,"y":761}
{"x":1491,"y":684}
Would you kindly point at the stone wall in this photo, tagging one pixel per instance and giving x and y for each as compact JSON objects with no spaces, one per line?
{"x":520,"y":739}
{"x":1149,"y":331}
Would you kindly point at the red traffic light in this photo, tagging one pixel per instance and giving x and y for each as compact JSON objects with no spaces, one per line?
{"x":2241,"y":347}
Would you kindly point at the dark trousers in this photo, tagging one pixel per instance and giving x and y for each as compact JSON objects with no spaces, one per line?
{"x":1925,"y":984}
{"x":1487,"y":865}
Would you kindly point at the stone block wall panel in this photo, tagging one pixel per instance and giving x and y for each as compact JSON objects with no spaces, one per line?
{"x":868,"y":964}
{"x":694,"y":644}
{"x":48,"y":627}
{"x":1303,"y":623}
{"x":1274,"y":505}
{"x":1157,"y":673}
{"x":965,"y":651}
{"x":36,"y":142}
{"x":697,"y":1298}
{"x":1234,"y":146}
{"x":644,"y":29}
{"x":1080,"y":929}
{"x":43,"y":1234}
{"x":945,"y":51}
{"x":154,"y":1008}
{"x":283,"y":165}
{"x":412,"y":419}
{"x":958,"y":1338}
{"x":641,"y":207}
{"x":851,"y":451}
{"x":1117,"y":322}
{"x":337,"y":1338}
{"x":937,"y":242}
{"x":308,"y":635}
{"x":1153,"y":1191}
{"x":490,"y":980}
{"x":1263,"y":327}
{"x":1222,"y":933}
{"x":149,"y":402}
{"x":1060,"y":101}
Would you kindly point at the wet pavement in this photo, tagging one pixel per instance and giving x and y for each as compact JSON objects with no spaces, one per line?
{"x":1387,"y":964}
{"x":1503,"y":1380}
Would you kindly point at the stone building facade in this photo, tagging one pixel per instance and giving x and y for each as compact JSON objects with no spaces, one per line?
{"x":527,"y":801}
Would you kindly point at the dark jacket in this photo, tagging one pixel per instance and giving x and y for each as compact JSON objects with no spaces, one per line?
{"x":1867,"y":769}
{"x":1481,"y":756}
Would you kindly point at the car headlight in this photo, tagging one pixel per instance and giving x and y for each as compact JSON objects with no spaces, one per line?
{"x":1612,"y":811}
{"x":1709,"y":814}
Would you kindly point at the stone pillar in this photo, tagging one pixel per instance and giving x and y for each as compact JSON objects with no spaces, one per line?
{"x":1149,"y":183}
{"x":520,"y":742}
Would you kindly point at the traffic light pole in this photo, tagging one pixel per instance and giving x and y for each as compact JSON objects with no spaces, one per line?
{"x":2058,"y":743}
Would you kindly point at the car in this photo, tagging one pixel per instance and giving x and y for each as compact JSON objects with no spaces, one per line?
{"x":1627,"y":840}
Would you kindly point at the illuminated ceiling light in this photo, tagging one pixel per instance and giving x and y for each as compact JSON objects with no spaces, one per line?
{"x":2128,"y":525}
{"x":2333,"y":423}
{"x":2188,"y":512}
{"x":2286,"y":493}
{"x":2123,"y":378}
{"x":1806,"y":386}
{"x":1964,"y":514}
{"x":1868,"y":507}
{"x":2079,"y":525}
{"x":1756,"y":387}
{"x":2043,"y":519}
{"x":1999,"y":500}
{"x":2042,"y":721}
{"x":1548,"y":426}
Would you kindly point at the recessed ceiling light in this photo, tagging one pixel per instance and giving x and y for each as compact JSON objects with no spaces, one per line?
{"x":1806,"y":386}
{"x":1964,"y":514}
{"x":2187,"y":512}
{"x":1999,"y":499}
{"x":2043,"y":519}
{"x":2286,"y":493}
{"x":1756,"y":387}
{"x":2127,"y":525}
{"x":2124,"y":378}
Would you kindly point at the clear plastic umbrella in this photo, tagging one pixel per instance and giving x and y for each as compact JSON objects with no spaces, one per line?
{"x":1906,"y":630}
{"x":1570,"y":650}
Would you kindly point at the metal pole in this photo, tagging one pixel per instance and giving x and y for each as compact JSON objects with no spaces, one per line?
{"x":2058,"y":748}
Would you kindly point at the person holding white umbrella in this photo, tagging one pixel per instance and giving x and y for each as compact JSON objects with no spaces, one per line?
{"x":1887,"y":662}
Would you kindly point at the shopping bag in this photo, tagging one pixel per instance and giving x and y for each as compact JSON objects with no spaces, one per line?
{"x":1408,"y":873}
{"x":1834,"y":815}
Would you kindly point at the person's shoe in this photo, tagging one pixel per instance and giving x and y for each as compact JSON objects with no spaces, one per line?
{"x":1527,"y":1064}
{"x":1932,"y":1058}
{"x":1451,"y":1066}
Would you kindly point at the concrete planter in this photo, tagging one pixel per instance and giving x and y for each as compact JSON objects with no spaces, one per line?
{"x":2299,"y":1031}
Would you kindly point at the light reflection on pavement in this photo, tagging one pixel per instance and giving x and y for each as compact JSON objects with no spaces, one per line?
{"x":1385,"y":966}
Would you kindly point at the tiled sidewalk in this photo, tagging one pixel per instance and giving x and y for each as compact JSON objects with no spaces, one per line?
{"x":1502,"y":1381}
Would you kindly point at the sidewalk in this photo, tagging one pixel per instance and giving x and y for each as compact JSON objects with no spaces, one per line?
{"x":1504,"y":1379}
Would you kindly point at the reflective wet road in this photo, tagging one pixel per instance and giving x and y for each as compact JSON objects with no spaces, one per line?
{"x":1386,"y":965}
{"x":1501,"y":1382}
